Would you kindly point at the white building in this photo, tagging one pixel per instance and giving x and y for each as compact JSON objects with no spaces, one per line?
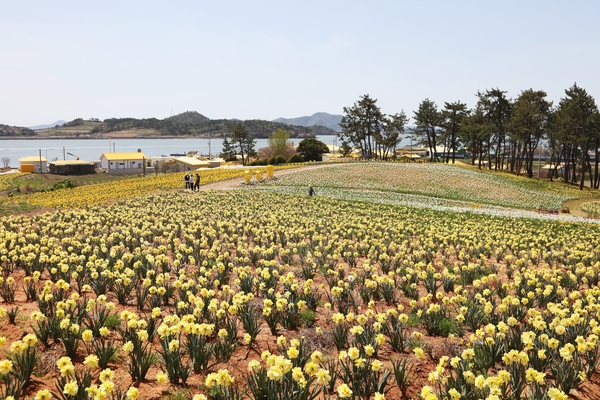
{"x":125,"y":163}
{"x":33,"y":164}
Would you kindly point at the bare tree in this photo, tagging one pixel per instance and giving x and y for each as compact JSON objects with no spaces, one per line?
{"x":164,"y":167}
{"x":6,"y":161}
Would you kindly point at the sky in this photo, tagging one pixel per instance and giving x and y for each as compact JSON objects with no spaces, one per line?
{"x":270,"y":59}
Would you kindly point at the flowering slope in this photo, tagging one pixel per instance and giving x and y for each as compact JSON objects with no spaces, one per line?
{"x":6,"y":179}
{"x":422,"y":201}
{"x":435,"y":180}
{"x":84,"y":196}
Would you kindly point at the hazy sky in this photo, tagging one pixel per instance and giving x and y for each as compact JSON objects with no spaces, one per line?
{"x":270,"y":59}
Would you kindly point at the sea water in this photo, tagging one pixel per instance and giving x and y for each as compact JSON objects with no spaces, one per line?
{"x":92,"y":149}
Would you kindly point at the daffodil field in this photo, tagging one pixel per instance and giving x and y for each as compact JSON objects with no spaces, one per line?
{"x":433,"y":180}
{"x":593,"y":207}
{"x":267,"y":293}
{"x":6,"y":180}
{"x":84,"y":196}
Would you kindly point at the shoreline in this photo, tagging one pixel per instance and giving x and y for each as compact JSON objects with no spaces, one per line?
{"x":104,"y":137}
{"x":124,"y":137}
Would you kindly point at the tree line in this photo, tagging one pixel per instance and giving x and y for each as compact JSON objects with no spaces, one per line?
{"x":499,"y":133}
{"x":241,"y":143}
{"x":6,"y":130}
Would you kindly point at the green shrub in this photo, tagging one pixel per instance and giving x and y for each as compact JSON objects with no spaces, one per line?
{"x":260,"y":161}
{"x":446,"y":326}
{"x":296,"y":158}
{"x":112,"y":321}
{"x":307,"y":318}
{"x":413,"y":319}
{"x":64,"y":184}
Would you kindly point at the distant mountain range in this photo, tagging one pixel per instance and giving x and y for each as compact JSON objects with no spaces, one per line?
{"x":330,"y":121}
{"x":57,"y":123}
{"x":189,"y":123}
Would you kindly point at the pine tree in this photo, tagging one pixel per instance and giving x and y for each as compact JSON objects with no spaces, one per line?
{"x":228,"y":152}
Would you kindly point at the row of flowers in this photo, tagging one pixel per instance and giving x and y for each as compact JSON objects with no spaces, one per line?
{"x":6,"y":180}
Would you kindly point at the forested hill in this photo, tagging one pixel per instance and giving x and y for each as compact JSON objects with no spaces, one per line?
{"x":324,"y":119}
{"x":179,"y":125}
{"x":15,"y":131}
{"x":188,"y":117}
{"x":189,"y":123}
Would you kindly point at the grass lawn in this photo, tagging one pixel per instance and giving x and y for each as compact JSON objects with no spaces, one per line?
{"x":37,"y":182}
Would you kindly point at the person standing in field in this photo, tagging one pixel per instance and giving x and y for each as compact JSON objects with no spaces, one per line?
{"x":187,"y":181}
{"x":311,"y":191}
{"x":197,"y":182}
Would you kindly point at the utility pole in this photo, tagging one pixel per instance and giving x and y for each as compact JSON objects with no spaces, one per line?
{"x":209,"y":137}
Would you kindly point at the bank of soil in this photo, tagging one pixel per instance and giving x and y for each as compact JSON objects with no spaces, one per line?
{"x":574,"y":206}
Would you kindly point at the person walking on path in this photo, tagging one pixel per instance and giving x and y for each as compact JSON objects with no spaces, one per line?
{"x":197,"y":182}
{"x":311,"y":191}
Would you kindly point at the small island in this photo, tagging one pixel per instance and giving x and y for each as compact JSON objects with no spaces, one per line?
{"x":185,"y":125}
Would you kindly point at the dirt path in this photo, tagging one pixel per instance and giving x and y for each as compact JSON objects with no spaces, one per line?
{"x":574,"y":206}
{"x":236,"y":183}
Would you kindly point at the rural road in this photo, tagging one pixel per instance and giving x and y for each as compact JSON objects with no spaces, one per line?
{"x":236,"y":183}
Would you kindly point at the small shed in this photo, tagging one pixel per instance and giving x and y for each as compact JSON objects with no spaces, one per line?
{"x":33,"y":164}
{"x":72,"y":167}
{"x":405,"y":157}
{"x":188,"y":163}
{"x":215,"y":162}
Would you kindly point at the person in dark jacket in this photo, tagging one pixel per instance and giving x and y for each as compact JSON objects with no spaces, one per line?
{"x":197,"y":182}
{"x":311,"y":191}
